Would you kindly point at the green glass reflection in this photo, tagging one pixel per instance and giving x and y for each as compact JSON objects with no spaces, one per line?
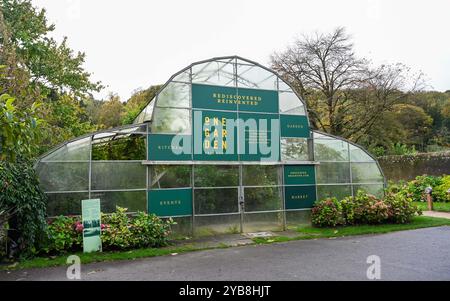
{"x":216,"y":176}
{"x":213,"y":201}
{"x":262,"y":199}
{"x":119,"y":147}
{"x":170,"y":176}
{"x":260,"y":175}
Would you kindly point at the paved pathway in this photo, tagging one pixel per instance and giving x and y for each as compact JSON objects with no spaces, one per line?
{"x":422,"y":254}
{"x":437,"y":214}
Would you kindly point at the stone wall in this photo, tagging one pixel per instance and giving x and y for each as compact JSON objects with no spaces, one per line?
{"x":407,"y":167}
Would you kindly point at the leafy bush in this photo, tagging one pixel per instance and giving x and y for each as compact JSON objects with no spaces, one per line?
{"x":327,"y":213}
{"x":119,"y":232}
{"x":64,"y":234}
{"x":369,"y":209}
{"x":401,"y":208}
{"x":440,"y":192}
{"x":364,"y":208}
{"x":150,"y":231}
{"x":416,"y":188}
{"x":20,"y":193}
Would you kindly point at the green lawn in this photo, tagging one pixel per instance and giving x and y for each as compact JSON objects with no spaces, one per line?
{"x":304,"y":232}
{"x":444,"y":207}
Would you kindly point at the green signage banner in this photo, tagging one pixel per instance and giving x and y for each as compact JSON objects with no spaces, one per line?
{"x":299,"y":197}
{"x":170,"y":202}
{"x":91,"y":215}
{"x":213,"y":141}
{"x":299,"y":174}
{"x":163,"y":147}
{"x":229,"y":98}
{"x":293,"y":126}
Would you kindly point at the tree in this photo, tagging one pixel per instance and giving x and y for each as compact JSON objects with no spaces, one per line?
{"x":39,"y":69}
{"x":52,"y":66}
{"x":345,"y":95}
{"x":111,"y":112}
{"x":323,"y":63}
{"x":18,"y":129}
{"x":137,"y":102}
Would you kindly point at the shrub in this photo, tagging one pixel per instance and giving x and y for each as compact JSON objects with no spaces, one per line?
{"x":20,"y":193}
{"x":369,"y":209}
{"x":327,"y":213}
{"x":416,"y":188}
{"x":396,"y":207}
{"x":64,"y":234}
{"x":350,"y":210}
{"x":120,"y":231}
{"x":401,"y":208}
{"x":440,"y":192}
{"x":150,"y":231}
{"x":117,"y":232}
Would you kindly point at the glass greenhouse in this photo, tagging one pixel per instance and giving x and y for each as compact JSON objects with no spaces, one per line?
{"x":224,"y":146}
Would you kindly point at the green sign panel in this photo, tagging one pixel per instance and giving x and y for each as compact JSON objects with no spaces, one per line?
{"x":170,"y":202}
{"x":299,"y":174}
{"x":230,"y":98}
{"x":163,"y":147}
{"x":299,"y":197}
{"x":91,"y":225}
{"x":213,"y":139}
{"x":294,"y":126}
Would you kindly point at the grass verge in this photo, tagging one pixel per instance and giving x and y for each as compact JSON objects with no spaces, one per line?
{"x":304,"y":232}
{"x":437,"y":206}
{"x":309,"y":232}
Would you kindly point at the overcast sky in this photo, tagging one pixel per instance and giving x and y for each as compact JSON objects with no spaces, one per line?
{"x":135,"y":43}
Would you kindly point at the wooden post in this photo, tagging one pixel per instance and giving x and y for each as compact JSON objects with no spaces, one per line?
{"x":430,"y":202}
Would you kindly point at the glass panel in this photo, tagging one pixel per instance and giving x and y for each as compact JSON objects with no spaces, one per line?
{"x":132,"y":200}
{"x":375,"y":189}
{"x":283,"y":86}
{"x":255,"y":77}
{"x":213,"y":201}
{"x":359,"y":155}
{"x":214,"y":73}
{"x":330,"y":150}
{"x":183,"y":77}
{"x":296,"y":218}
{"x":218,"y":224}
{"x":216,"y":175}
{"x":63,"y":176}
{"x":163,"y":176}
{"x":294,"y":149}
{"x":171,"y":121}
{"x":262,"y":199}
{"x":182,"y":228}
{"x":174,"y":95}
{"x":65,"y":203}
{"x":366,"y":173}
{"x":337,"y":191}
{"x":114,"y":175}
{"x":331,"y":172}
{"x":260,"y":175}
{"x":74,"y":151}
{"x":291,"y":104}
{"x":255,"y":222}
{"x":119,"y":147}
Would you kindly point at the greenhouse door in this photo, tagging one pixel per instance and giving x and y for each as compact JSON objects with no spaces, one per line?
{"x":261,"y":198}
